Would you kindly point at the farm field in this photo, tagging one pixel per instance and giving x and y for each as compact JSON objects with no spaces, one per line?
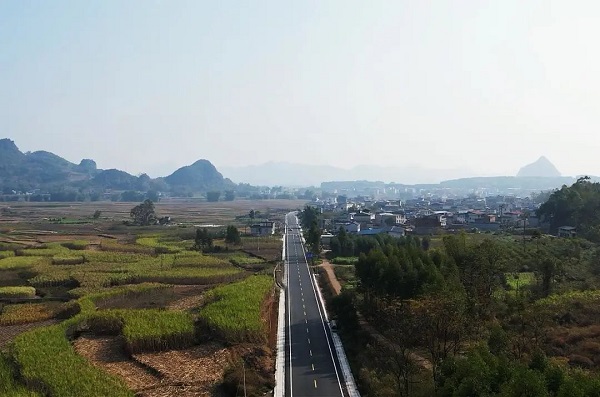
{"x":118,"y":305}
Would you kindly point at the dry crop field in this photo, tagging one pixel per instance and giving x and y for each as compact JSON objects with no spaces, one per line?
{"x":118,"y":305}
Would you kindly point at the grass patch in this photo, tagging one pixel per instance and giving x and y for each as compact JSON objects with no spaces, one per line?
{"x":345,"y":260}
{"x":146,"y":329}
{"x":236,"y":311}
{"x":29,"y":312}
{"x":17,"y":292}
{"x":8,"y":383}
{"x":6,"y":254}
{"x":49,"y":363}
{"x":19,"y":262}
{"x":519,"y":280}
{"x":77,"y":245}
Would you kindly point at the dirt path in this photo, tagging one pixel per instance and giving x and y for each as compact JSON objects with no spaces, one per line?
{"x":333,"y":281}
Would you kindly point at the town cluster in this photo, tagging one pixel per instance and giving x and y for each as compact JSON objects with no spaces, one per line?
{"x":428,"y":215}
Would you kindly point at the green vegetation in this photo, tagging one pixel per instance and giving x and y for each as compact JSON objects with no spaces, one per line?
{"x":29,"y":312}
{"x":345,"y":260}
{"x":577,"y":205}
{"x":17,"y":292}
{"x":440,"y":303}
{"x":147,"y":329}
{"x":46,"y":358}
{"x":153,"y":330}
{"x":76,"y":244}
{"x":119,"y":287}
{"x":8,"y":383}
{"x":236,"y":312}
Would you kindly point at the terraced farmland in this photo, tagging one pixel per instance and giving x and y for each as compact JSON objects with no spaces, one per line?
{"x":149,"y":296}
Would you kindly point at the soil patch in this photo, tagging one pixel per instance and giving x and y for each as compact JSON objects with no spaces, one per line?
{"x":180,"y":297}
{"x":9,"y":332}
{"x":203,"y":364}
{"x":333,"y":282}
{"x":107,"y":353}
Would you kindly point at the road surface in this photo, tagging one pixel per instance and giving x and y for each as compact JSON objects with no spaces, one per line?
{"x":311,"y":366}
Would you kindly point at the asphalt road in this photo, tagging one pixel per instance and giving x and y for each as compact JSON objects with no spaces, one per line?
{"x":311,"y":366}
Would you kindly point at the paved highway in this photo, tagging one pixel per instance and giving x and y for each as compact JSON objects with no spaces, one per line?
{"x":311,"y":366}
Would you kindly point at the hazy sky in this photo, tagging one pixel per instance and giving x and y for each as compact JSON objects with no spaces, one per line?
{"x":153,"y":85}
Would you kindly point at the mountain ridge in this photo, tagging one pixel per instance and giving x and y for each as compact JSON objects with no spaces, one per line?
{"x":42,"y":170}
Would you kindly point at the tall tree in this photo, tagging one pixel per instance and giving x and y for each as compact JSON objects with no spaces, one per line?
{"x":143,"y":214}
{"x":232,"y":235}
{"x":203,"y":239}
{"x":213,"y":196}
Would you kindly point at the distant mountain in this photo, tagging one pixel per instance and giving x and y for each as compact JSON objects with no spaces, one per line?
{"x":200,"y":176}
{"x":541,"y":167}
{"x":293,"y":174}
{"x":45,"y":171}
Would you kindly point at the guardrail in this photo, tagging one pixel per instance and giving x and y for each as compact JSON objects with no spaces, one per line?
{"x":279,"y":390}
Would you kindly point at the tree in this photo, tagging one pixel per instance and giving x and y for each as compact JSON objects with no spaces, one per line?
{"x":229,"y":195}
{"x":213,"y":196}
{"x":444,"y":324}
{"x":203,"y":239}
{"x":143,"y":214}
{"x":232,"y":235}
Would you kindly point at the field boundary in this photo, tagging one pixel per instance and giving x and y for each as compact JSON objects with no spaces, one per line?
{"x":280,"y":360}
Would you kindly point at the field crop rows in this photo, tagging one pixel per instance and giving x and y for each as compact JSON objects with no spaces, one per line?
{"x":17,"y":292}
{"x":108,"y":271}
{"x":235,"y":314}
{"x":30,"y":312}
{"x":128,"y":263}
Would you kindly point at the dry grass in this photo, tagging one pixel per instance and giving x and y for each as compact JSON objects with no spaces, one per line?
{"x":192,"y":372}
{"x":107,"y":353}
{"x":201,"y":364}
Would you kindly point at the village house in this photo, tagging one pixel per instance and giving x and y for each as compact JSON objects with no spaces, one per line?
{"x":264,"y":228}
{"x":567,"y":231}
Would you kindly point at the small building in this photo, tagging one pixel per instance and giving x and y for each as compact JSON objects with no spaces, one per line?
{"x":567,"y":231}
{"x":429,"y":225}
{"x":349,"y":227}
{"x":264,"y":228}
{"x":326,"y":240}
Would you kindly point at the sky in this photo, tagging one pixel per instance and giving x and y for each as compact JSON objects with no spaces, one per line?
{"x":150,"y":86}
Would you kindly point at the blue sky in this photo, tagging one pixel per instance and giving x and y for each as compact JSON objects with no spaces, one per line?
{"x":149,"y":86}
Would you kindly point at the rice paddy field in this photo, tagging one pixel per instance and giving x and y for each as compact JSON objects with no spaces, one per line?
{"x":75,"y":293}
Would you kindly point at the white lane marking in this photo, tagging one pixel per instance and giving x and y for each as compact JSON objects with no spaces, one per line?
{"x":310,"y":351}
{"x":290,"y":327}
{"x":315,"y":383}
{"x":313,"y":366}
{"x":322,"y":320}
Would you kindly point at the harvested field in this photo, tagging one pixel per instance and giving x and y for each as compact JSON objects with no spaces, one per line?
{"x":194,"y":372}
{"x":179,"y":297}
{"x":202,"y":364}
{"x":107,"y":353}
{"x":9,"y":332}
